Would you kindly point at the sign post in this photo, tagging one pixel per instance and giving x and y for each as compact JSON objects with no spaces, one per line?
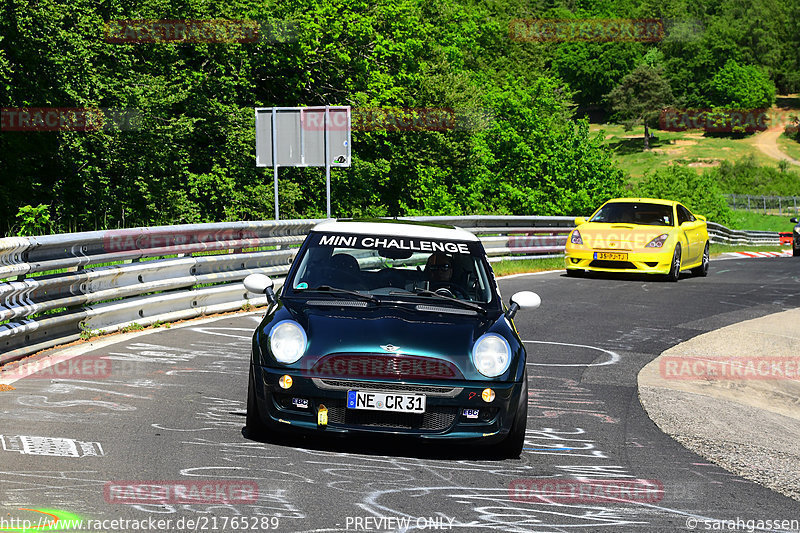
{"x":303,"y":137}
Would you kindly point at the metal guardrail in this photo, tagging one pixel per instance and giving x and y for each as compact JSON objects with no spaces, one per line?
{"x":719,"y":234}
{"x":58,"y":286}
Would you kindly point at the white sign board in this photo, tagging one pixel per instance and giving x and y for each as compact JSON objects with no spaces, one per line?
{"x":300,"y":136}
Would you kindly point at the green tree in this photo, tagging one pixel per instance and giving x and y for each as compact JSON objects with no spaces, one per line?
{"x":742,"y":87}
{"x":33,"y":220}
{"x":698,"y":192}
{"x":640,"y":97}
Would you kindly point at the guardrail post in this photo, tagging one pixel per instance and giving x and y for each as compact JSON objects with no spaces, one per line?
{"x":748,"y":202}
{"x":780,"y":210}
{"x":765,"y":203}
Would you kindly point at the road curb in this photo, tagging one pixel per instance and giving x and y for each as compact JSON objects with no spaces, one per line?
{"x":747,"y":424}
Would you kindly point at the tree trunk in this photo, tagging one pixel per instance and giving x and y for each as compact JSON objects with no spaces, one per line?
{"x":646,"y":137}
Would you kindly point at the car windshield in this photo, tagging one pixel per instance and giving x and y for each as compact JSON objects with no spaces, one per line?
{"x":635,"y":213}
{"x":394,"y":267}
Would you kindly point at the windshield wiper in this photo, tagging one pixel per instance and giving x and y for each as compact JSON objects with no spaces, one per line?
{"x":431,"y":294}
{"x":336,"y":290}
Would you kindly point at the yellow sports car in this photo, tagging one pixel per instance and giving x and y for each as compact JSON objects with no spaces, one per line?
{"x":640,"y":235}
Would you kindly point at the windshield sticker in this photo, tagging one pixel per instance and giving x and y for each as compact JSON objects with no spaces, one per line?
{"x":414,"y":245}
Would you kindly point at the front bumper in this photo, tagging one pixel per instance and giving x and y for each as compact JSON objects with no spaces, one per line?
{"x":636,"y":262}
{"x":444,"y":416}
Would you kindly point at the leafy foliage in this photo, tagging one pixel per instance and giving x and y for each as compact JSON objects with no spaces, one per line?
{"x":640,"y":97}
{"x":192,"y":158}
{"x":33,"y":220}
{"x":747,"y":177}
{"x":742,"y":87}
{"x":699,"y":192}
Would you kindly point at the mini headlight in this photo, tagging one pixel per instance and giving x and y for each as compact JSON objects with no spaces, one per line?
{"x":658,"y":242}
{"x":287,"y":341}
{"x":491,"y":355}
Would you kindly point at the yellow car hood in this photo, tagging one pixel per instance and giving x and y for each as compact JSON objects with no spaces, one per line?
{"x":600,"y":235}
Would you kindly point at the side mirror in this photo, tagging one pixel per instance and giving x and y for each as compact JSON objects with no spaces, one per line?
{"x":523,"y":300}
{"x":579,"y":221}
{"x":260,"y":284}
{"x":793,"y":220}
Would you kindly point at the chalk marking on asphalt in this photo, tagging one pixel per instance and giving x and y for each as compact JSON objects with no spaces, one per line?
{"x":208,"y":331}
{"x":74,"y":351}
{"x":614,"y":357}
{"x":158,"y":426}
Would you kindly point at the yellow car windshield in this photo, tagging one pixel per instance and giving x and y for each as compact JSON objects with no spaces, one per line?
{"x":635,"y":213}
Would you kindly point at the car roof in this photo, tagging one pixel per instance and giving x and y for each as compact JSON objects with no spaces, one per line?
{"x":646,"y":200}
{"x":396,"y":228}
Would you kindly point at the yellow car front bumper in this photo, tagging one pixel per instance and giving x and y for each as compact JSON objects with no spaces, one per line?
{"x":655,"y":262}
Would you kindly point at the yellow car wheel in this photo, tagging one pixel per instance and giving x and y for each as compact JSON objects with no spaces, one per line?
{"x":675,"y":269}
{"x":702,"y":270}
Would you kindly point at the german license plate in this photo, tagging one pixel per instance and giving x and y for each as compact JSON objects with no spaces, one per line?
{"x":379,"y":401}
{"x":609,"y":256}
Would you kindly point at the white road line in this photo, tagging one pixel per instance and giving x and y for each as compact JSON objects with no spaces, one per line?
{"x":614,"y":357}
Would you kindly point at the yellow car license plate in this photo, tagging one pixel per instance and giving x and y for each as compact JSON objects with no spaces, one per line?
{"x":609,"y":256}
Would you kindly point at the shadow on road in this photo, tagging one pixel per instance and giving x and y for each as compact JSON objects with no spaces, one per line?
{"x":378,"y":445}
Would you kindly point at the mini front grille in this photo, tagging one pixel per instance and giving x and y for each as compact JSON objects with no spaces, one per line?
{"x":379,"y":386}
{"x":433,"y":419}
{"x":599,"y":263}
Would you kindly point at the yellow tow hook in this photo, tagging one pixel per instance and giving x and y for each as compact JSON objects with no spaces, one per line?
{"x":322,"y":416}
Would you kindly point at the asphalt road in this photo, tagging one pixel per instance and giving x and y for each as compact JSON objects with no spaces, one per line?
{"x":171,"y":407}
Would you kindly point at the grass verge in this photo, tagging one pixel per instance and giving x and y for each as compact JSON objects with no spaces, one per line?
{"x":750,"y":220}
{"x":692,"y":148}
{"x":790,"y":147}
{"x":523,"y":266}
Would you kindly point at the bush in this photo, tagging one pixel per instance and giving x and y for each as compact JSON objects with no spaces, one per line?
{"x":747,"y":177}
{"x":737,"y":86}
{"x":699,"y":192}
{"x":33,"y":220}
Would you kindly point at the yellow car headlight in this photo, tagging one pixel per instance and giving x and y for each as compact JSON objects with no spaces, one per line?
{"x":658,"y":242}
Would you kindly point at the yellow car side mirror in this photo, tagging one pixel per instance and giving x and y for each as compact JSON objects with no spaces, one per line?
{"x":579,"y":221}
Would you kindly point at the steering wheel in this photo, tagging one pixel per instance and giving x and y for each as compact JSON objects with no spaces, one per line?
{"x":453,"y":291}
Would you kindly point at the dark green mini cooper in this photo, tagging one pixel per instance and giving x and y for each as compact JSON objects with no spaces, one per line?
{"x":390,"y":327}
